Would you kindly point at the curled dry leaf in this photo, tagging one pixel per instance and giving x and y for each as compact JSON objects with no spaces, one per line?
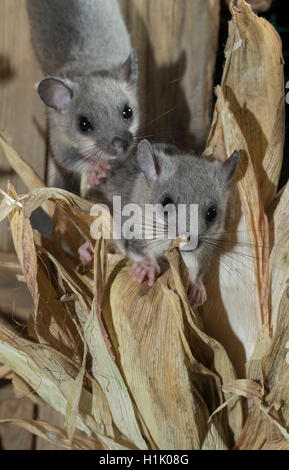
{"x":243,"y":120}
{"x":257,"y":5}
{"x":254,"y":53}
{"x":24,"y":170}
{"x":279,"y":258}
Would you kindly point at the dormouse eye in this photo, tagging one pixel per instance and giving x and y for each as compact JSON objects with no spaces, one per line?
{"x":127,"y":112}
{"x":84,"y":124}
{"x":167,"y":200}
{"x":211,"y":214}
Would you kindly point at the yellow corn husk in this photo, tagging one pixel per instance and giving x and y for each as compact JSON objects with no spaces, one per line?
{"x":245,"y":121}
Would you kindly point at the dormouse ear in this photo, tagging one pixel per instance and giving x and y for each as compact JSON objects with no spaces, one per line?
{"x":55,"y":93}
{"x":128,"y":71}
{"x":227,"y":170}
{"x":147,"y":162}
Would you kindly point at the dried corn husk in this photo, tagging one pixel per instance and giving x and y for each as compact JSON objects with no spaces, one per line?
{"x":115,"y":393}
{"x":133,"y":367}
{"x":244,"y":120}
{"x":258,"y":5}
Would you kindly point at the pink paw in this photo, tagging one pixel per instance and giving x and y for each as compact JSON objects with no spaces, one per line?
{"x":84,"y":255}
{"x":197,"y":294}
{"x":139,"y":271}
{"x":97,"y":173}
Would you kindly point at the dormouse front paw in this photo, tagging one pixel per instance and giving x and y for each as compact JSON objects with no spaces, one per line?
{"x":197,"y":294}
{"x":97,"y":173}
{"x":84,"y":255}
{"x":140,"y":270}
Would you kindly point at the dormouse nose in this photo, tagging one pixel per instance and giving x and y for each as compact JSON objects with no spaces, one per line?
{"x":119,"y":145}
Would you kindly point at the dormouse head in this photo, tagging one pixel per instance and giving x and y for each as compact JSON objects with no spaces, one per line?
{"x":174,"y":180}
{"x":92,"y":114}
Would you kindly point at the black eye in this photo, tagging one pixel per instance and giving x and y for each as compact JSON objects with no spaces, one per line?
{"x":84,"y":124}
{"x":167,"y":200}
{"x":211,"y":214}
{"x":127,"y":112}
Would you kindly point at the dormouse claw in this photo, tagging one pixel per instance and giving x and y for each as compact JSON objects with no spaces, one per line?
{"x":139,"y":271}
{"x":98,"y":173}
{"x":84,"y":255}
{"x":197,"y":294}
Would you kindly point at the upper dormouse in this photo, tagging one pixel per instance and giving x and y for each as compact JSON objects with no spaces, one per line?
{"x":90,"y":87}
{"x":65,"y":31}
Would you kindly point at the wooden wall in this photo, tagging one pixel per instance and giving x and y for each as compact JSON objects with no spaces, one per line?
{"x":21,"y":112}
{"x":176,"y":41}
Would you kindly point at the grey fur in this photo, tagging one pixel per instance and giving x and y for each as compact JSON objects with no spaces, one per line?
{"x":75,"y":31}
{"x":85,"y":51}
{"x":187,"y":179}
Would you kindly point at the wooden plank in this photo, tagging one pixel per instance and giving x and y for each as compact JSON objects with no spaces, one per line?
{"x":10,"y":262}
{"x":15,"y":306}
{"x":15,"y":300}
{"x":18,"y":311}
{"x":21,"y":111}
{"x":46,"y":413}
{"x":12,"y":437}
{"x":176,"y":41}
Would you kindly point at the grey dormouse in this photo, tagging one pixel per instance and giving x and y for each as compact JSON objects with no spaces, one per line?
{"x":91,"y":85}
{"x":161,"y":175}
